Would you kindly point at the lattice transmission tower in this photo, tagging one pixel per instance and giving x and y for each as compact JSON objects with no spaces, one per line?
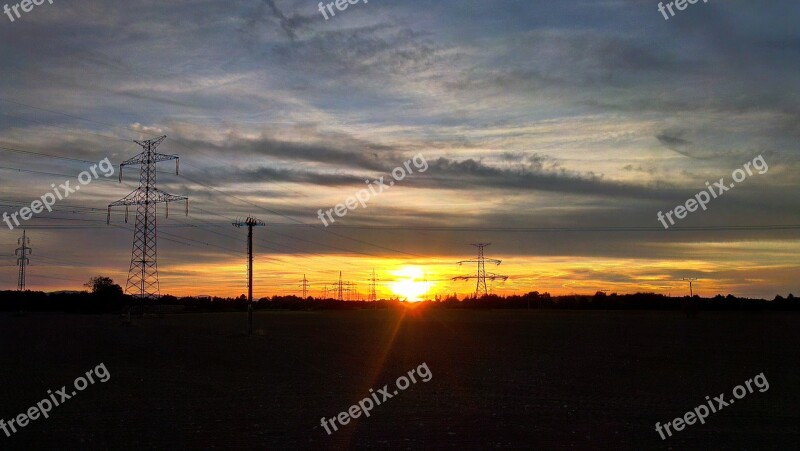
{"x":143,"y":273}
{"x":22,"y":253}
{"x":340,"y":288}
{"x":305,"y":286}
{"x":373,"y":295}
{"x":345,"y":291}
{"x":481,"y":275}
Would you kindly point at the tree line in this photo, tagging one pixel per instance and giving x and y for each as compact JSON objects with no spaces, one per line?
{"x":102,"y":295}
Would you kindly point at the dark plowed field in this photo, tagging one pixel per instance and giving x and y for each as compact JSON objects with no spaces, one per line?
{"x":501,"y":380}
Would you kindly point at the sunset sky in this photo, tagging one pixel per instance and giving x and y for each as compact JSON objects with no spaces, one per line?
{"x":555,"y":130}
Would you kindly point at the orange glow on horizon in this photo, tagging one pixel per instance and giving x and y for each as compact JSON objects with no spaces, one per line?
{"x":413,"y":285}
{"x":770,"y":268}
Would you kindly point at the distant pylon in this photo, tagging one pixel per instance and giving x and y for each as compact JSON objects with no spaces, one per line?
{"x":690,"y":280}
{"x":373,"y":295}
{"x":250,"y":222}
{"x":22,"y":253}
{"x":340,"y":298}
{"x":143,"y":272}
{"x":305,"y":286}
{"x":352,"y":294}
{"x":481,"y":275}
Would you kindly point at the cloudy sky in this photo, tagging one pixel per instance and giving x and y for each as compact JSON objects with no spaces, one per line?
{"x":555,"y":130}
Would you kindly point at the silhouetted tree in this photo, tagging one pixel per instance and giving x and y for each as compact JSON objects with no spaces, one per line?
{"x":104,"y":287}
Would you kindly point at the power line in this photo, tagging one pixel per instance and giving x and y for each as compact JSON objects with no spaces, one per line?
{"x":448,"y":229}
{"x":64,"y":128}
{"x":65,"y":114}
{"x":31,"y":171}
{"x":297,"y":221}
{"x":47,"y":155}
{"x":445,"y":229}
{"x":399,"y":227}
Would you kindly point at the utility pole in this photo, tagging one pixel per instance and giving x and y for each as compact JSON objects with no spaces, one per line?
{"x":143,"y":272}
{"x":690,"y":280}
{"x":481,"y":274}
{"x":22,"y":253}
{"x":340,"y":287}
{"x":250,"y":222}
{"x":305,"y":286}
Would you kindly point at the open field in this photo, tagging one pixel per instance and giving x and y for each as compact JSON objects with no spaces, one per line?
{"x":501,"y":379}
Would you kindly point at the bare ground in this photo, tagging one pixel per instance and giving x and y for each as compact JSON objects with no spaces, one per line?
{"x":501,"y":379}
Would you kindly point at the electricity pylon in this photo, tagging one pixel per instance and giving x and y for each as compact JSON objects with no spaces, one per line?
{"x":22,"y":253}
{"x":305,"y":286}
{"x":345,"y":291}
{"x":690,"y":280}
{"x":373,"y":296}
{"x":250,"y":222}
{"x":352,"y":293}
{"x":143,"y":273}
{"x":481,"y":275}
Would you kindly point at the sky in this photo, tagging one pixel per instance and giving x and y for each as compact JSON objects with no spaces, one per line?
{"x":554,"y":130}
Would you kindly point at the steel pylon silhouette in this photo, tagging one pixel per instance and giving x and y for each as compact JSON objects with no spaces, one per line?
{"x":373,"y":295}
{"x":143,"y":273}
{"x":305,"y":286}
{"x":22,"y":253}
{"x":481,"y":275}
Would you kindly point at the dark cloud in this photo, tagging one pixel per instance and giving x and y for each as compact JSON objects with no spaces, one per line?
{"x":672,"y":140}
{"x":289,"y":24}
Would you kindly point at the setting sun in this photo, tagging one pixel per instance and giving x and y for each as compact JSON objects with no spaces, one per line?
{"x":411,"y":284}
